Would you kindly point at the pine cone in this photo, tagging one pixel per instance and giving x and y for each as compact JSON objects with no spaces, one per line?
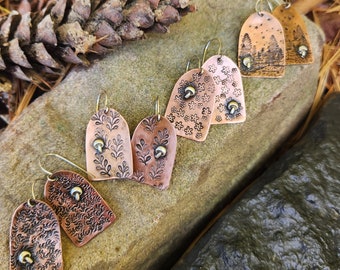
{"x":37,"y":47}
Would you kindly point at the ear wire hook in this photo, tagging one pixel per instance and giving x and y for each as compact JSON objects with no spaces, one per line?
{"x":287,"y":3}
{"x":157,"y":109}
{"x":65,"y":160}
{"x":98,"y":101}
{"x":199,"y":65}
{"x":207,"y":46}
{"x":29,"y":202}
{"x":259,"y":6}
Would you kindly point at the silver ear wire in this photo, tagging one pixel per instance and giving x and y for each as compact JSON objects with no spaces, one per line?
{"x":207,"y":46}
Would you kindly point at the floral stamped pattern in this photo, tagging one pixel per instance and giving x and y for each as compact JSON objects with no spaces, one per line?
{"x":35,"y":233}
{"x":191,"y":104}
{"x":82,"y":215}
{"x":108,"y":148}
{"x":229,"y":98}
{"x":154,"y":149}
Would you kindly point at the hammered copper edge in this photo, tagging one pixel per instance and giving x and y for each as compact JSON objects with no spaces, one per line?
{"x":113,"y":160}
{"x":35,"y":229}
{"x":83,"y":219}
{"x":229,"y":105}
{"x":298,"y":45}
{"x":154,"y":150}
{"x":191,"y":117}
{"x":261,"y":49}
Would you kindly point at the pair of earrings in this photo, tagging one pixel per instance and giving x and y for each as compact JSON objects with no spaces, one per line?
{"x":209,"y":94}
{"x":147,"y":158}
{"x":72,"y":202}
{"x":268,"y":42}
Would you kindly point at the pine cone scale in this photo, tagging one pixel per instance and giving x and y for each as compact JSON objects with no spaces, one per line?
{"x":16,"y":54}
{"x":45,"y":31}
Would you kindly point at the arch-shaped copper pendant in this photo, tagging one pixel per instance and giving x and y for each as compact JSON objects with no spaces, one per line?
{"x":230,"y":105}
{"x":298,"y":46}
{"x":191,"y":104}
{"x":82,"y":212}
{"x":35,"y":237}
{"x":154,"y":150}
{"x":261,"y":47}
{"x":108,"y":146}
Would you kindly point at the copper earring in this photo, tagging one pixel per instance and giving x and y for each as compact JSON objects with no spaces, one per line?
{"x":82,"y":212}
{"x":191,"y":104}
{"x":229,"y":105}
{"x":35,"y":237}
{"x":298,"y":46}
{"x":108,"y":147}
{"x":261,"y":48}
{"x":154,"y":149}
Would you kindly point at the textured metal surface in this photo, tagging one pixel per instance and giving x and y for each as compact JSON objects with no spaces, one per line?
{"x":83,"y":217}
{"x":229,"y":105}
{"x":108,"y":147}
{"x":191,"y":116}
{"x":154,"y":150}
{"x":261,"y":48}
{"x":298,"y":48}
{"x":35,"y":238}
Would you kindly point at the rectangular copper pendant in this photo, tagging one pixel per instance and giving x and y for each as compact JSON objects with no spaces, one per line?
{"x":154,"y":150}
{"x":82,"y":212}
{"x":35,"y":237}
{"x":108,"y":146}
{"x":298,"y":48}
{"x":229,"y":106}
{"x":261,"y":48}
{"x":191,"y":104}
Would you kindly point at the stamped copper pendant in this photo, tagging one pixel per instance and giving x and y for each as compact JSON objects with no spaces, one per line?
{"x":298,"y":46}
{"x":229,"y":98}
{"x":261,"y":48}
{"x":35,"y":237}
{"x":154,"y":150}
{"x":82,"y":212}
{"x":191,"y":104}
{"x":108,"y":147}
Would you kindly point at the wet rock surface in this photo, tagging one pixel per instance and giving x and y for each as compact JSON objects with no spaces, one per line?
{"x":290,"y":218}
{"x":153,"y":226}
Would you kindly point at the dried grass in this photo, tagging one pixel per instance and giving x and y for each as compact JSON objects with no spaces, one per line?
{"x":329,"y":74}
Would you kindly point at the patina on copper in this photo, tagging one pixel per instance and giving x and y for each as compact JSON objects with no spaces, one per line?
{"x":261,"y":47}
{"x":298,"y":46}
{"x":229,"y":105}
{"x":191,"y":104}
{"x":108,"y":147}
{"x":35,"y":237}
{"x":82,"y":212}
{"x":154,"y":149}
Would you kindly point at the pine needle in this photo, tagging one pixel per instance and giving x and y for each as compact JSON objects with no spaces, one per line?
{"x":329,"y":81}
{"x":25,"y":100}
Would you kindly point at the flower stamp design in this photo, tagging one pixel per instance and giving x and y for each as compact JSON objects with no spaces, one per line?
{"x":154,"y":152}
{"x":83,"y":217}
{"x":196,"y":90}
{"x":228,"y":83}
{"x":35,"y":237}
{"x":108,"y":146}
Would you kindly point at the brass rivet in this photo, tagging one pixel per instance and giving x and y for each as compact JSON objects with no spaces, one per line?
{"x":25,"y":257}
{"x":98,"y":144}
{"x":76,"y":192}
{"x":189,"y":92}
{"x":160,"y":151}
{"x":232,"y":106}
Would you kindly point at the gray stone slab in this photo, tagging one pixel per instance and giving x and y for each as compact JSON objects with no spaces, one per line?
{"x":290,"y":218}
{"x":152,"y":225}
